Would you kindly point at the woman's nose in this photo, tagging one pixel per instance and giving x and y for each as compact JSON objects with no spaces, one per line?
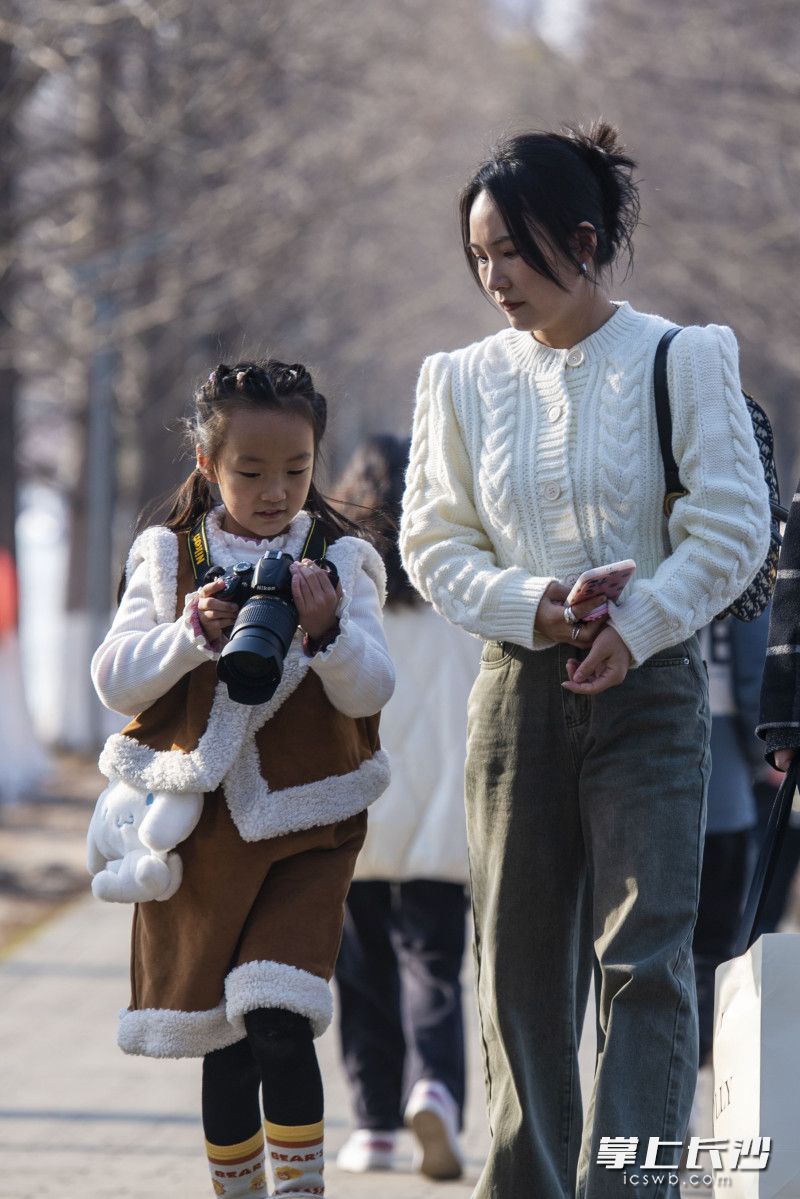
{"x":496,"y":278}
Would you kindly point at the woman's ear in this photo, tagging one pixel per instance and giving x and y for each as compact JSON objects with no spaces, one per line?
{"x":586,"y":242}
{"x":204,"y":465}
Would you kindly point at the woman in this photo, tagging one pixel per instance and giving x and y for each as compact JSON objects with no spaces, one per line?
{"x":535,"y":456}
{"x":399,"y":967}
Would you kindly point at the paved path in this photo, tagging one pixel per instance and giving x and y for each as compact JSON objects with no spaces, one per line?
{"x":80,"y":1120}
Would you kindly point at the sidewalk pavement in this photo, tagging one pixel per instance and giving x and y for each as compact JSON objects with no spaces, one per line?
{"x":81,"y":1120}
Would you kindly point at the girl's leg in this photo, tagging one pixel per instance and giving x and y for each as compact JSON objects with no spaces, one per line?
{"x":529,"y":898}
{"x":372,"y":1041}
{"x":430,"y":933}
{"x":232,"y":1122}
{"x":282,"y":1043}
{"x":643,"y":787}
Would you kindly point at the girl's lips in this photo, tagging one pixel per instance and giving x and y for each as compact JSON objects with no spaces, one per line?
{"x":511,"y":307}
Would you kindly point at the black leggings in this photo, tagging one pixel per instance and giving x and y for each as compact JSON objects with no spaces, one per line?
{"x":278,"y":1054}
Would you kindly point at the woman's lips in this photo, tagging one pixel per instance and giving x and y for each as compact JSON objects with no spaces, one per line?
{"x":511,"y":307}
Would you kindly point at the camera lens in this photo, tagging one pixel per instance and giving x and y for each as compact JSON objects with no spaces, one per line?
{"x":251,"y":664}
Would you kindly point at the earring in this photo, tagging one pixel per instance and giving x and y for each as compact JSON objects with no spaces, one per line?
{"x":584,"y":269}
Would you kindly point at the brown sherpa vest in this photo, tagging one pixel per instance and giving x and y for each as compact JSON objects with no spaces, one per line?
{"x":307,"y":739}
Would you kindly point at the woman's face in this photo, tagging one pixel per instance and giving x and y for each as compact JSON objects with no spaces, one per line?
{"x":530,"y":300}
{"x":263,"y":470}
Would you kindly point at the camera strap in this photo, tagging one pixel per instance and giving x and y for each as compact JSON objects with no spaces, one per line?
{"x":198,"y":551}
{"x":200,"y":557}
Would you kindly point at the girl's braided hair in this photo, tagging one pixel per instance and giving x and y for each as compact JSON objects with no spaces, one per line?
{"x":268,"y":384}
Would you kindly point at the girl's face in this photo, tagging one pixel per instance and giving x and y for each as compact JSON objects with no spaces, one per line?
{"x":263,"y":470}
{"x":530,"y":301}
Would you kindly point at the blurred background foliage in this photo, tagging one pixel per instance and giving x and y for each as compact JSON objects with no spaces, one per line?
{"x":188,"y":182}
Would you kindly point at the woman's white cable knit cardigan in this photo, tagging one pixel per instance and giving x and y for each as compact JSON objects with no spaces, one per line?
{"x":530,"y":464}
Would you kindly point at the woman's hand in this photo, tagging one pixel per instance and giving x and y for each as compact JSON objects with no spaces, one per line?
{"x":550,"y":620}
{"x":215,"y":614}
{"x":606,"y":665}
{"x":783,"y":758}
{"x":315,"y":598}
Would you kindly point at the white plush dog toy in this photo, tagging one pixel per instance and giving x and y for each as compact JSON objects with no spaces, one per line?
{"x":129,"y":839}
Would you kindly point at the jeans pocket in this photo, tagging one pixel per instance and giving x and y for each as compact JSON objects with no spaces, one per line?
{"x":495,"y":653}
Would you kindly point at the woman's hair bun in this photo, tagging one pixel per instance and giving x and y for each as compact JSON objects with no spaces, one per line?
{"x":601,"y":148}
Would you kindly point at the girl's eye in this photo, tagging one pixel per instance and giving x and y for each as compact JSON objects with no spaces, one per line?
{"x":248,"y":475}
{"x":510,"y":254}
{"x":302,"y":471}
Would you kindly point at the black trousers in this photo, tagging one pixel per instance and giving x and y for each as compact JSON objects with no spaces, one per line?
{"x":723,"y":886}
{"x":399,"y":984}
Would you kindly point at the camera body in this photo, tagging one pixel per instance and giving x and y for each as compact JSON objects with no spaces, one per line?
{"x":251,"y":664}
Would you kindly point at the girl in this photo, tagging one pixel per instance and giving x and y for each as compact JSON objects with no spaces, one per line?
{"x":399,"y":967}
{"x":235,"y":966}
{"x":535,"y":456}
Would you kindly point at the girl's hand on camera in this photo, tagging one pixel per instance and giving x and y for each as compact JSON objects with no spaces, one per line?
{"x":606,"y":665}
{"x":783,"y":758}
{"x":314,"y":597}
{"x":215,"y":614}
{"x":550,"y":620}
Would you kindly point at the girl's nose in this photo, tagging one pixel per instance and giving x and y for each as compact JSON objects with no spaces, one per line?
{"x":273,"y":489}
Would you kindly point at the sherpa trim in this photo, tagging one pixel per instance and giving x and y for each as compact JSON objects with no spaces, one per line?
{"x":276,"y":985}
{"x":165,"y":1032}
{"x":172,"y":770}
{"x":259,"y":813}
{"x":158,"y":547}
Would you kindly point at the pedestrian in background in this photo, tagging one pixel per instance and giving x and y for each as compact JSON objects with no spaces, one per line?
{"x":734,"y":653}
{"x":535,"y":456}
{"x":779,"y":723}
{"x":399,"y":967}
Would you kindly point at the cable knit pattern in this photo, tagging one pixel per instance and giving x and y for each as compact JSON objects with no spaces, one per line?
{"x":530,"y":463}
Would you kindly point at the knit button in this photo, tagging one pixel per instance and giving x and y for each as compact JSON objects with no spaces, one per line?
{"x":552,"y":491}
{"x":575,"y":357}
{"x":554,"y":413}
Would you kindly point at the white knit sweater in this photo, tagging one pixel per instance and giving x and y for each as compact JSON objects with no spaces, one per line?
{"x":530,"y":464}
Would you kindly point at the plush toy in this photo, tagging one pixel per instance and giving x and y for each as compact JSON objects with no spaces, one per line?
{"x":130,"y":837}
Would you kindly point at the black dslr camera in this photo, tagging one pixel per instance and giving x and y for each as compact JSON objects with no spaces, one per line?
{"x":251,"y":664}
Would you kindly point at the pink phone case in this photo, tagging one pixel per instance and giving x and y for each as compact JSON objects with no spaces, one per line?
{"x":602,"y":581}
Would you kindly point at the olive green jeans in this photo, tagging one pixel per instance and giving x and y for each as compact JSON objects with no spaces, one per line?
{"x":586,"y":819}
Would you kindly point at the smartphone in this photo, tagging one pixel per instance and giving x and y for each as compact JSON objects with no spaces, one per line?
{"x":604,"y":582}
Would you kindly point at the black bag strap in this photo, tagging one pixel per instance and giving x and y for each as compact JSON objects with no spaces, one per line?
{"x":673,"y":487}
{"x":200,"y":556}
{"x":767,"y":859}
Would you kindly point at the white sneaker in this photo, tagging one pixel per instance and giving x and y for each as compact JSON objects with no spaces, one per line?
{"x":432,"y":1115}
{"x":366,"y":1150}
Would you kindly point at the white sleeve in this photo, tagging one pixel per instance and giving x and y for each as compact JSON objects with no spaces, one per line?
{"x":446,"y":551}
{"x":720,"y":531}
{"x":356,"y":669}
{"x":140,"y":659}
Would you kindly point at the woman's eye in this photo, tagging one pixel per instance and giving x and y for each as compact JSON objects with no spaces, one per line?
{"x":510,"y":254}
{"x":302,"y":471}
{"x":248,"y":475}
